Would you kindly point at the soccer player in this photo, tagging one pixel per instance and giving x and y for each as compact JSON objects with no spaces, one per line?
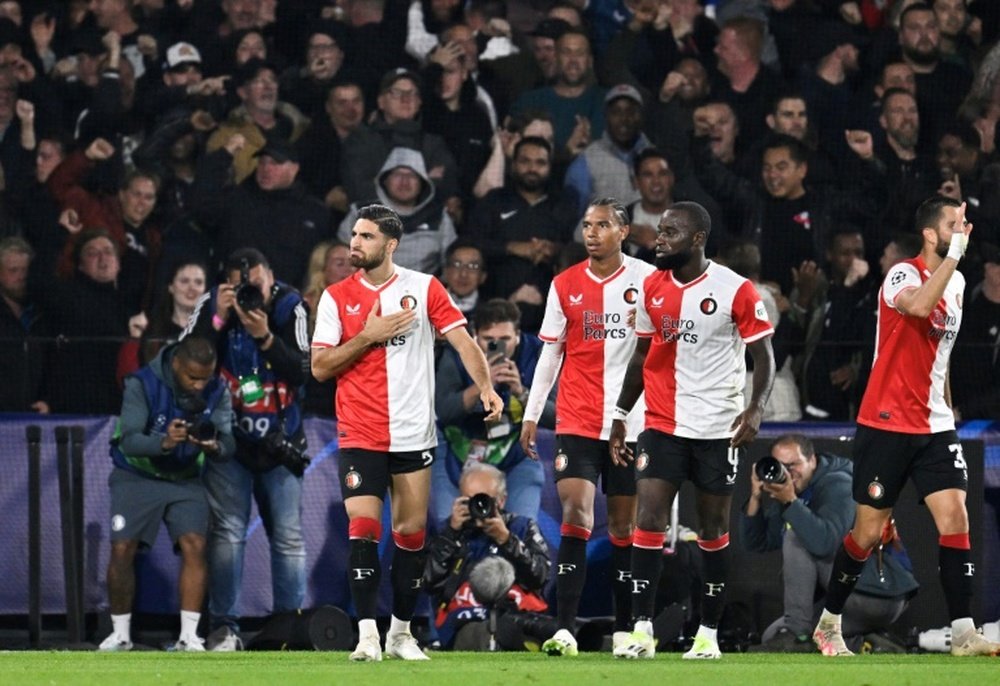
{"x":586,"y":322}
{"x":906,"y":427}
{"x":375,"y":332}
{"x":694,"y":323}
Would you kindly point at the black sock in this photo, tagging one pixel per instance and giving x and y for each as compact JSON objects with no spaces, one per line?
{"x":621,"y":585}
{"x":646,"y":566}
{"x":365,"y":573}
{"x":846,"y":570}
{"x":571,"y":573}
{"x":957,"y":573}
{"x":407,"y":572}
{"x":716,"y":570}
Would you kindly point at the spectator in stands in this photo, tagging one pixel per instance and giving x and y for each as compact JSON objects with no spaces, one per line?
{"x":404,"y":186}
{"x":521,"y":228}
{"x":270,"y":211}
{"x":975,"y":373}
{"x":533,"y":123}
{"x":158,"y":451}
{"x":260,"y":118}
{"x":307,"y":86}
{"x":466,"y":542}
{"x":22,"y":355}
{"x":806,"y":513}
{"x":181,"y":84}
{"x":89,"y":309}
{"x":575,"y":103}
{"x":746,"y":84}
{"x":654,"y":181}
{"x":322,"y":145}
{"x":464,"y":274}
{"x":127,"y":216}
{"x":604,"y":168}
{"x":512,"y":356}
{"x":397,"y":124}
{"x":789,"y":115}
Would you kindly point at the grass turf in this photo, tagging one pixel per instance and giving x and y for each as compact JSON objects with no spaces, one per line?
{"x":479,"y":669}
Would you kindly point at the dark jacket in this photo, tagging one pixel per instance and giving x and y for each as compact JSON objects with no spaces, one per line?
{"x":283,"y":224}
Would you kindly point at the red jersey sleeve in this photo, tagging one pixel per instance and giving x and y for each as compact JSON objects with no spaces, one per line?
{"x":750,"y":314}
{"x":441,"y":310}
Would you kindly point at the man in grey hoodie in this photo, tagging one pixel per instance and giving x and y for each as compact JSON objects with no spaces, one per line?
{"x":404,"y":185}
{"x":806,"y":514}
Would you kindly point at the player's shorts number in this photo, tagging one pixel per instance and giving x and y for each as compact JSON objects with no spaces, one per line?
{"x":959,"y":457}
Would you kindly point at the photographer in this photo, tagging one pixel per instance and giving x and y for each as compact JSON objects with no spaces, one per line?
{"x":176,"y":412}
{"x":479,"y":528}
{"x":512,"y":356}
{"x":801,"y":503}
{"x":259,"y":328}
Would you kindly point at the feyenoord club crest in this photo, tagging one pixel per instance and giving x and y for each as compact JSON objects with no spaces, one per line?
{"x":408,"y":302}
{"x":642,"y":461}
{"x":561,"y":462}
{"x":352,"y":480}
{"x":631,"y":295}
{"x":708,"y":306}
{"x":876,"y":490}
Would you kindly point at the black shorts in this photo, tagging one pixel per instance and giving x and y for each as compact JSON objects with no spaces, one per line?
{"x":883,"y":460}
{"x":367,"y":472}
{"x":710,"y":464}
{"x":588,"y":458}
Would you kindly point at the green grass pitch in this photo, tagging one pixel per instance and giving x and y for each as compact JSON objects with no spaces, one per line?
{"x":479,"y":669}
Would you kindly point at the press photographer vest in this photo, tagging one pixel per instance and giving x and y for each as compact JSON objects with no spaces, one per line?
{"x":185,"y":460}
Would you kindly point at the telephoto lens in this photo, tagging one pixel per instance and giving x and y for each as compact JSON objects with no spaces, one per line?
{"x":770,"y":471}
{"x":481,"y":506}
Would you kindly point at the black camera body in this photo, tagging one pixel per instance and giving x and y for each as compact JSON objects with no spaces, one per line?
{"x":248,"y":296}
{"x":201,"y":429}
{"x":482,"y":506}
{"x":286,"y":453}
{"x":770,"y":470}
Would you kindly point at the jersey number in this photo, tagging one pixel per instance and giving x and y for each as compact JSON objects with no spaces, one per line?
{"x":959,"y":458}
{"x":258,"y":427}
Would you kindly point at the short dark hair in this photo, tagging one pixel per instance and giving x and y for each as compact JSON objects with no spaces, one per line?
{"x":909,"y":244}
{"x":131,"y":177}
{"x":386,"y":219}
{"x":616,"y":206}
{"x":92,"y":234}
{"x":915,"y":7}
{"x":892,"y":92}
{"x":787,"y":95}
{"x":797,"y":150}
{"x":496,"y":311}
{"x":965,"y":132}
{"x":840,"y":230}
{"x":648,"y":154}
{"x":929,"y":212}
{"x":537,"y":141}
{"x":252,"y":256}
{"x":700,"y":219}
{"x":803,"y":442}
{"x":460,"y":243}
{"x":196,"y":349}
{"x":742,"y":256}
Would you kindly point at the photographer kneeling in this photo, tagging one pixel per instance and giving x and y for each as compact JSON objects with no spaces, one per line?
{"x":175,"y":413}
{"x":483,"y":557}
{"x":801,"y":502}
{"x":259,"y":328}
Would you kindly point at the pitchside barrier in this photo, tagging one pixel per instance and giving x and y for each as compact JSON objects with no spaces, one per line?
{"x":71,"y":524}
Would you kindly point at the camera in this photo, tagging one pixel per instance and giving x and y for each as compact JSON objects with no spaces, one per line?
{"x":481,"y":506}
{"x":248,"y":296}
{"x":286,"y":453}
{"x":201,"y":430}
{"x":770,"y":471}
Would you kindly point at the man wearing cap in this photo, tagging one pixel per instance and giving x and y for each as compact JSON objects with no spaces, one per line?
{"x":180,"y":85}
{"x":604,"y":168}
{"x":261,"y":117}
{"x":270,"y":210}
{"x":403,"y":186}
{"x":397,"y":125}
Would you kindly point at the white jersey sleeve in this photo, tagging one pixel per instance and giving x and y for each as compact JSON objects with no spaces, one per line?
{"x":901,"y":277}
{"x":328,"y":326}
{"x":554,"y":323}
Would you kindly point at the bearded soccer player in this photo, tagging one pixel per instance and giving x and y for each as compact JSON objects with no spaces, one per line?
{"x":375,"y":333}
{"x":586,"y":330}
{"x":906,"y":428}
{"x":694,"y":324}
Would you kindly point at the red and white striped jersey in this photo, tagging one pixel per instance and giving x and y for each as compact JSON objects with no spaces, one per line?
{"x":905,"y":392}
{"x":589,"y":315}
{"x":695,"y":370}
{"x":385,"y":400}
